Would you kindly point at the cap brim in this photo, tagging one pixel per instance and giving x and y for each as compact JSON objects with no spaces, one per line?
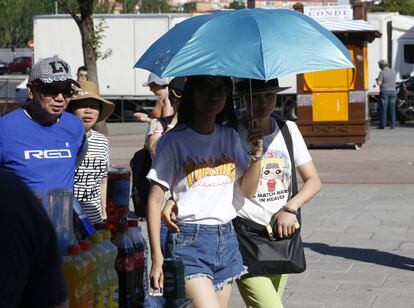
{"x":152,"y":81}
{"x":107,"y":106}
{"x":75,"y":82}
{"x":263,"y":90}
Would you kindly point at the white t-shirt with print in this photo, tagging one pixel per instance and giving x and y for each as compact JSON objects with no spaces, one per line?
{"x":274,"y":187}
{"x":200,"y":170}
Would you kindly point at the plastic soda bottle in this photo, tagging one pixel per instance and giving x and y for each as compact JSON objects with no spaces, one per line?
{"x":111,"y":272}
{"x":140,"y":246}
{"x":101,"y":283}
{"x":125,"y":267}
{"x":117,"y":197}
{"x":174,"y":283}
{"x":86,"y":255}
{"x":82,"y":224}
{"x":60,"y":211}
{"x":146,"y":254}
{"x":75,"y":271}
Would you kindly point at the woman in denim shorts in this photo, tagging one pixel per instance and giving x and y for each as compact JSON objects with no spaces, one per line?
{"x":199,"y":161}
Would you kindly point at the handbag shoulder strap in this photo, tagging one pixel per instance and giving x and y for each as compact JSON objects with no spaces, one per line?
{"x":289,"y":144}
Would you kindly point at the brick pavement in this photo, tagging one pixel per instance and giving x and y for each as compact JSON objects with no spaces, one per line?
{"x":358,"y":232}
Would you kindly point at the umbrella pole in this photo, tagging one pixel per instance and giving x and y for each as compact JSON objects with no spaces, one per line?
{"x":251,"y":99}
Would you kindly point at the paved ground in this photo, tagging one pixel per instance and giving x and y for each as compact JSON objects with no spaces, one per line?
{"x":359,"y":230}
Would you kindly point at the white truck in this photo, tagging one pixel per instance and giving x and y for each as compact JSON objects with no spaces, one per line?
{"x":396,"y":46}
{"x":129,"y":35}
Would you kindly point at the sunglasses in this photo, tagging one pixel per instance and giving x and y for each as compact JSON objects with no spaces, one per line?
{"x":51,"y":91}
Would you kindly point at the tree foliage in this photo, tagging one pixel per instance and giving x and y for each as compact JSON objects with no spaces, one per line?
{"x":16,"y":17}
{"x":129,"y":6}
{"x":16,"y":20}
{"x":236,"y":5}
{"x":155,"y":6}
{"x":189,"y":7}
{"x":404,"y":7}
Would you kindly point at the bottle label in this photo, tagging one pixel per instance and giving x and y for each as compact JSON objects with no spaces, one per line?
{"x":105,"y":298}
{"x":101,"y":299}
{"x":125,"y":264}
{"x":113,"y":297}
{"x":89,"y":303}
{"x":120,"y":192}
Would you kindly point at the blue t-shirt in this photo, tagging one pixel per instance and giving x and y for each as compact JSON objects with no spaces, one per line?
{"x":43,"y":156}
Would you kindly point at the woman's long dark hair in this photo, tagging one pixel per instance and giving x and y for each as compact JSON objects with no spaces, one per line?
{"x":186,"y":109}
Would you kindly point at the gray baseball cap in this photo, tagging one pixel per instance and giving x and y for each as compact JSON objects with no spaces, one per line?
{"x":152,"y":78}
{"x":53,"y":69}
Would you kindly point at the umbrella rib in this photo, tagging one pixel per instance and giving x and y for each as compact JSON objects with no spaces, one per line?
{"x":261,"y":46}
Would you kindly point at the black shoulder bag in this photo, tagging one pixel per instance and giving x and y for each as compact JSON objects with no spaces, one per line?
{"x":263,"y":254}
{"x":140,"y":166}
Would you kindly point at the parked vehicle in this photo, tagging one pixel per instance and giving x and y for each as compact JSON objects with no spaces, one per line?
{"x":405,"y":100}
{"x":20,"y":65}
{"x":3,"y":67}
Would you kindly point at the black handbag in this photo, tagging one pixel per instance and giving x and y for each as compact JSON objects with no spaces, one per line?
{"x":263,"y":255}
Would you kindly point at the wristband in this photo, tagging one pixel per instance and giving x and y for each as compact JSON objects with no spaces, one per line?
{"x":289,"y":210}
{"x":255,"y":158}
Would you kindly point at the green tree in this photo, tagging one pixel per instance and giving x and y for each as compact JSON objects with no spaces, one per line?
{"x":155,"y":6}
{"x":189,"y":7}
{"x":129,"y":6}
{"x":91,"y":36}
{"x":236,"y":5}
{"x":16,"y":20}
{"x":404,"y":7}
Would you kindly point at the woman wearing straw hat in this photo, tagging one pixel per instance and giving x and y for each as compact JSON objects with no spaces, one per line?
{"x":91,"y":175}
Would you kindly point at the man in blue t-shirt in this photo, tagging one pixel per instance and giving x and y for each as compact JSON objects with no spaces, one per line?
{"x":41,"y":142}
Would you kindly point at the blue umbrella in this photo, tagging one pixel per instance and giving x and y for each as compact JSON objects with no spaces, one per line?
{"x":250,"y":43}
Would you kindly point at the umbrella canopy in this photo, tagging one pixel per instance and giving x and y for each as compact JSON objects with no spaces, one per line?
{"x":250,"y":43}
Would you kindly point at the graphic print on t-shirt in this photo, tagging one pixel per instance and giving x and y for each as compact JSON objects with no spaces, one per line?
{"x":275,"y":172}
{"x":91,"y":171}
{"x":212,"y":172}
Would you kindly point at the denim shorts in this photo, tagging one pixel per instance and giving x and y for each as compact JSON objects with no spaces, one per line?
{"x":207,"y":251}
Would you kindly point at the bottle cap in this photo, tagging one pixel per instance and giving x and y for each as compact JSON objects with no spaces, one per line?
{"x":106,"y":234}
{"x":74,"y":250}
{"x":132,"y":223}
{"x":96,"y":238}
{"x":85,"y":245}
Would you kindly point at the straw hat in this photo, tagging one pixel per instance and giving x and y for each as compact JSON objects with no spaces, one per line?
{"x":89,"y":90}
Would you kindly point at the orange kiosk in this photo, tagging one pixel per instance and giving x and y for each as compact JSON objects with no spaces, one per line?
{"x":332,"y":106}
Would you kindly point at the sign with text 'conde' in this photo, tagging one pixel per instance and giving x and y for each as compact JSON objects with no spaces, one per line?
{"x":329,"y":12}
